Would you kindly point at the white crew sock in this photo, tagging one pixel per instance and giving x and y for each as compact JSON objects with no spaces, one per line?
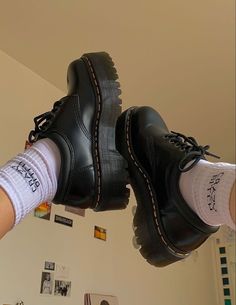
{"x":206,"y":188}
{"x":31,"y":177}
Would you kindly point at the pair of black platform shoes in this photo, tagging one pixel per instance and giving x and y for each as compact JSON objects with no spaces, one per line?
{"x":102,"y":151}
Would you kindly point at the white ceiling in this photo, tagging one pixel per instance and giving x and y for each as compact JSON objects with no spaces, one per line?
{"x":177,"y":56}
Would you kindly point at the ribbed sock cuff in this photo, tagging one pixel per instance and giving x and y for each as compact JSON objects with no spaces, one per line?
{"x":31,"y":178}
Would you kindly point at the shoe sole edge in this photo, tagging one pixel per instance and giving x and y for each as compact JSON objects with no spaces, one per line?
{"x":149,"y":234}
{"x":111,"y":167}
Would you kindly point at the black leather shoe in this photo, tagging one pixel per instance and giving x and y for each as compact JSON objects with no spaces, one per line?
{"x":93,"y":173}
{"x":166,"y":229}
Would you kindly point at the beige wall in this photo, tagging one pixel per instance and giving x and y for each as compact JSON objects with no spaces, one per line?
{"x":113,"y":267}
{"x":176,"y":55}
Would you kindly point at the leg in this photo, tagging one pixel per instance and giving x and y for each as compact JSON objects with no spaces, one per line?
{"x":206,"y":188}
{"x":75,"y":162}
{"x":7,"y":215}
{"x":26,"y":181}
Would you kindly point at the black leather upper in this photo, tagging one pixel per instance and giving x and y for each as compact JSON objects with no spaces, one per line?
{"x":82,"y":124}
{"x":71,"y":129}
{"x":161,"y":158}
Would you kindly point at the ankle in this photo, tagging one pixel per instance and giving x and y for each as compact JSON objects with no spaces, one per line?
{"x":31,"y":177}
{"x":206,"y":188}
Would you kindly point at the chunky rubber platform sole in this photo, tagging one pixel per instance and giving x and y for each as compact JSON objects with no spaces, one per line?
{"x":111,"y":167}
{"x":150,"y":235}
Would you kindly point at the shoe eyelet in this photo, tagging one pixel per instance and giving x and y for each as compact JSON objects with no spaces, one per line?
{"x":171,"y":141}
{"x":165,"y":136}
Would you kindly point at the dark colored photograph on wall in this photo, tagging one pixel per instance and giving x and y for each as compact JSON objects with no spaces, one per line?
{"x":46,"y":283}
{"x":62,"y":288}
{"x":49,"y":266}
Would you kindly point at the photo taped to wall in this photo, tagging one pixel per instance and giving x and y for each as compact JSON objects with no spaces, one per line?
{"x":62,"y":288}
{"x":46,"y":283}
{"x":49,"y":266}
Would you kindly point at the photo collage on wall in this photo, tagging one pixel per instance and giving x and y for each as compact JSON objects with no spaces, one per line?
{"x":55,"y":280}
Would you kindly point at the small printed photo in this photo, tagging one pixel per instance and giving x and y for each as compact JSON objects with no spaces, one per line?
{"x":63,"y":220}
{"x":100,"y":233}
{"x":43,"y":211}
{"x":62,"y":288}
{"x":49,"y":266}
{"x":46,"y":283}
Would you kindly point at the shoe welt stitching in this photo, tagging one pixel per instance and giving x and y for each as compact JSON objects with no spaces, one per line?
{"x":96,"y":130}
{"x":149,"y":189}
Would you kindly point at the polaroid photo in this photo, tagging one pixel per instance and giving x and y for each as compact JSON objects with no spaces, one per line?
{"x":49,"y":266}
{"x":62,"y":288}
{"x":46,"y":286}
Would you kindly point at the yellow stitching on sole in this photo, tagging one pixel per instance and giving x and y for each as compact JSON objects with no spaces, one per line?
{"x":150,"y":190}
{"x":96,"y":131}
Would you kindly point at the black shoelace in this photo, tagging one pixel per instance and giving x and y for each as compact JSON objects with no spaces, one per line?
{"x":44,"y":121}
{"x":193,"y":151}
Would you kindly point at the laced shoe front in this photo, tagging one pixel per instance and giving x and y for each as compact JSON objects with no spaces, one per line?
{"x":44,"y":121}
{"x":166,"y":229}
{"x":193,"y":151}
